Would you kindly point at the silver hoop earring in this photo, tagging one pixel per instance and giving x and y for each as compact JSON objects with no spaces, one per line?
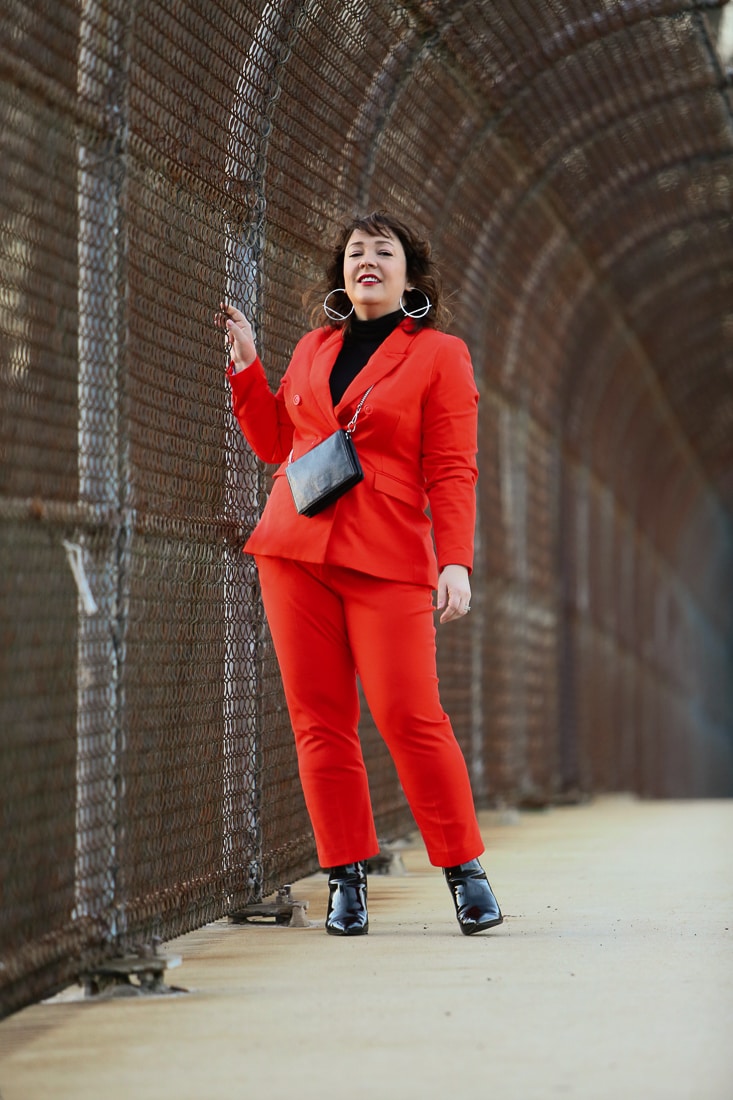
{"x":332,"y":313}
{"x":422,"y":311}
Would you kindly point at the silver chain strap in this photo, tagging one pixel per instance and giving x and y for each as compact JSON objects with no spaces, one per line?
{"x":352,"y":423}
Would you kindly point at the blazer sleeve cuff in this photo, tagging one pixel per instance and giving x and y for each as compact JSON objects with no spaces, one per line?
{"x":456,"y":557}
{"x":243,"y":379}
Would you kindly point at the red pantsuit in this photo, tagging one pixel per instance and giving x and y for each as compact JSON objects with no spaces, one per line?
{"x":348,"y":592}
{"x":328,"y":624}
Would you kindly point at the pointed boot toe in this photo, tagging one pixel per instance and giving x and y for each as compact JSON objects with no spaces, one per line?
{"x":347,"y":901}
{"x":476,"y":906}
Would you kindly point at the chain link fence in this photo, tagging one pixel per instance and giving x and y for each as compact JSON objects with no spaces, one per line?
{"x":572,"y":164}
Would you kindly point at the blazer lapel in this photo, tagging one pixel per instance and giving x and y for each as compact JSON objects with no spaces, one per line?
{"x":388,"y":355}
{"x":320,"y":373}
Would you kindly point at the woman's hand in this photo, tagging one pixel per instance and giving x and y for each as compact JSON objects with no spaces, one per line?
{"x":240,"y":341}
{"x":454,"y":593}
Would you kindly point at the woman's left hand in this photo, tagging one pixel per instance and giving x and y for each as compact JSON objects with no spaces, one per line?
{"x":454,"y":593}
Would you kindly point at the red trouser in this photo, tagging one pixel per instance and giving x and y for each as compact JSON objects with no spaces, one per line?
{"x":329,"y":623}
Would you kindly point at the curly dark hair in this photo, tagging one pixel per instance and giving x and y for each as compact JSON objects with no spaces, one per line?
{"x":422,"y":272}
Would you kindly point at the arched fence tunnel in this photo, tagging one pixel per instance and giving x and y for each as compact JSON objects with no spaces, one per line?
{"x":572,"y":164}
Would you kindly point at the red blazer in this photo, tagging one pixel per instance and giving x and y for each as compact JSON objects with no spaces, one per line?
{"x":416,"y":439}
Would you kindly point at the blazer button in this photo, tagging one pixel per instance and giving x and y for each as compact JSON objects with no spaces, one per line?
{"x":297,"y":399}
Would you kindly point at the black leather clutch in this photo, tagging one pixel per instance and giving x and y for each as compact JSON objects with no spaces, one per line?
{"x":325,"y":473}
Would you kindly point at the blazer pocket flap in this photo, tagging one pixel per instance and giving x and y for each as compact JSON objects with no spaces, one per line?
{"x":408,"y":494}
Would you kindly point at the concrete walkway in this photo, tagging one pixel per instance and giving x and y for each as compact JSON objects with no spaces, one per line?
{"x":612,"y":977}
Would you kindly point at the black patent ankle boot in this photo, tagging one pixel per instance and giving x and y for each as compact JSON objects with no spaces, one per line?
{"x":347,"y":901}
{"x":476,"y":906}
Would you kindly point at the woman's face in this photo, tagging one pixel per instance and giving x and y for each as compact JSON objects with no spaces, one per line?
{"x":375,"y":273}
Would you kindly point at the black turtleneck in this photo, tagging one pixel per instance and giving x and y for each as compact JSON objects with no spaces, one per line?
{"x":360,"y":343}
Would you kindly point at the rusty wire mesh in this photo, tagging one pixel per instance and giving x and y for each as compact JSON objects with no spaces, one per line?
{"x":571,"y":162}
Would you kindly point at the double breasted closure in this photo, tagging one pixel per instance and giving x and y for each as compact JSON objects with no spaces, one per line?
{"x":416,"y":438}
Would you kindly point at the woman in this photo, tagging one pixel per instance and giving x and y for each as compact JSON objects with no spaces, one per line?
{"x":348,"y":591}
